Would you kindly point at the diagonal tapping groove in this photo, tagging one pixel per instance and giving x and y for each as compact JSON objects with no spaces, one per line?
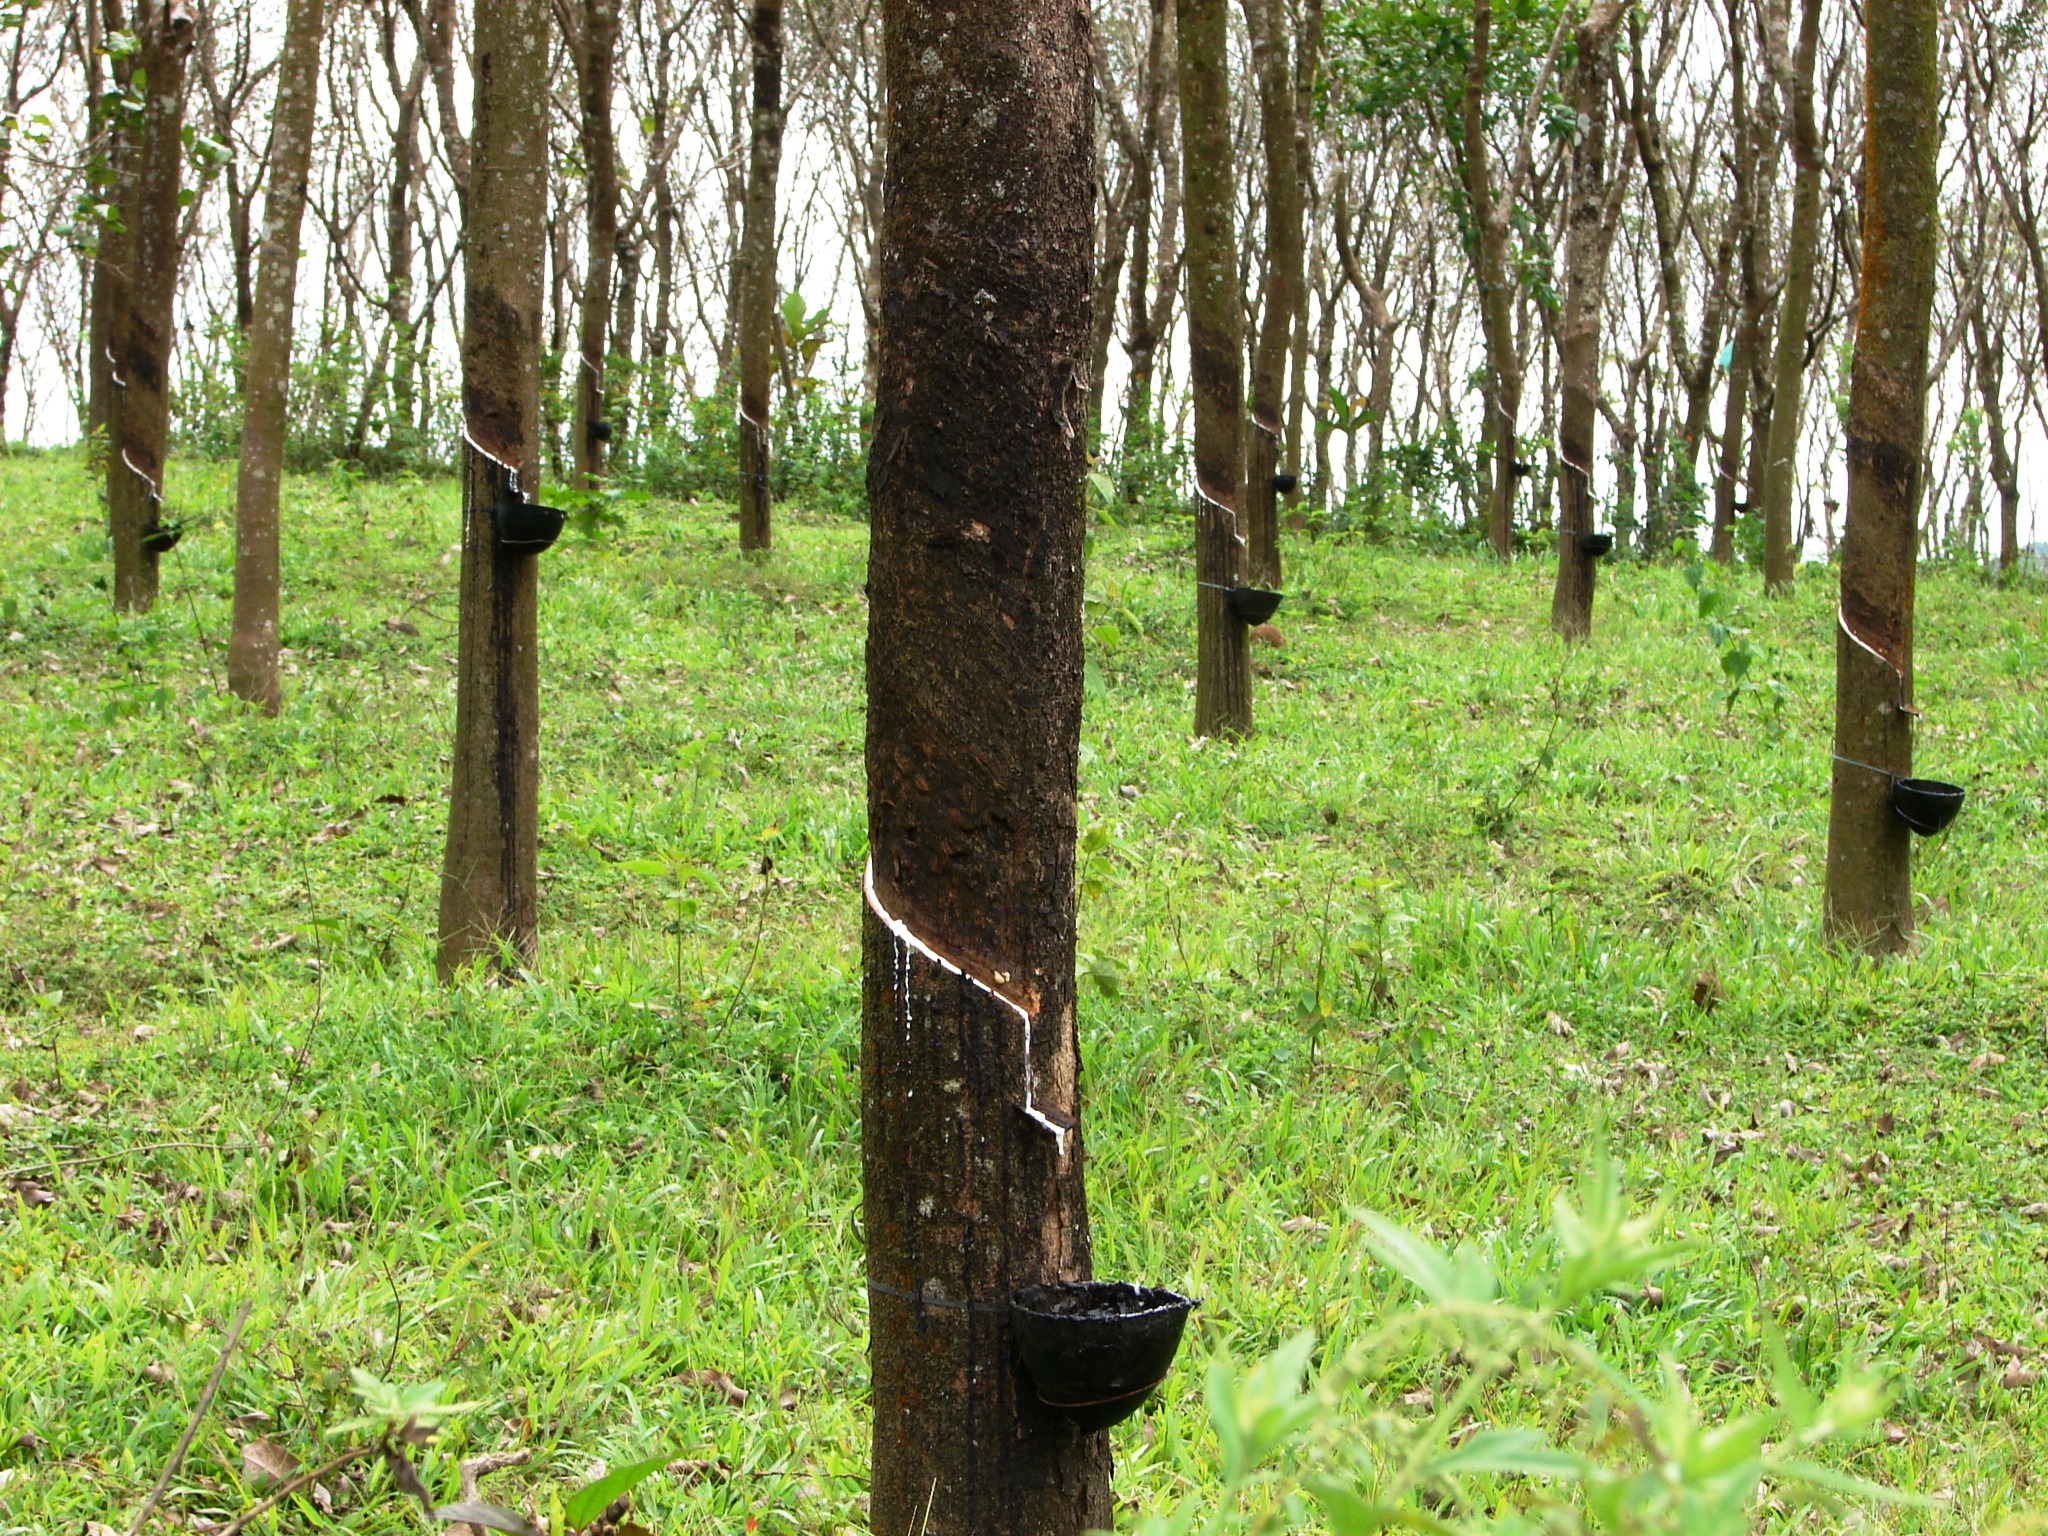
{"x":908,"y":941}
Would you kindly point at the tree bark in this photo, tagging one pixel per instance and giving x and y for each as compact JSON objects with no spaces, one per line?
{"x":252,"y":638}
{"x":1281,"y":309}
{"x":971,"y":1155}
{"x":1990,"y":376}
{"x":1223,"y":683}
{"x":1789,"y":370}
{"x":597,"y":39}
{"x":757,"y":274}
{"x":1869,"y":894}
{"x":1588,"y":235}
{"x":1502,"y":390}
{"x":140,"y":318}
{"x":489,"y":888}
{"x":1155,"y":167}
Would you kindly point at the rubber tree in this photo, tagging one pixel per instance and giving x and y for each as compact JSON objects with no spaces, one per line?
{"x":1266,"y":20}
{"x":1802,"y":249}
{"x":756,"y":285}
{"x":489,"y":893}
{"x":595,"y":46}
{"x":971,"y":1147}
{"x":1869,"y":891}
{"x":1223,"y":670}
{"x":1491,"y":207}
{"x":106,"y":174}
{"x":252,"y":638}
{"x":1148,"y":306}
{"x":1589,"y":235}
{"x":141,"y":293}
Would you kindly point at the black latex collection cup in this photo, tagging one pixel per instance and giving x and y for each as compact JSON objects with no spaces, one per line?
{"x":1096,"y":1349}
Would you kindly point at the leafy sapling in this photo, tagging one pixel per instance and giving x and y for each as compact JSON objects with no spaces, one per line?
{"x":1600,"y":1454}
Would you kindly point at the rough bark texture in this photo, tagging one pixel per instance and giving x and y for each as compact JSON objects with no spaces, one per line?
{"x":252,"y":639}
{"x":1281,"y":310}
{"x":1789,"y":367}
{"x":1223,"y":673}
{"x":596,"y":58}
{"x":757,"y":273}
{"x":139,"y":317}
{"x":1588,"y":235}
{"x":974,"y":711}
{"x":1501,"y":393}
{"x":1869,"y":895}
{"x":488,"y":884}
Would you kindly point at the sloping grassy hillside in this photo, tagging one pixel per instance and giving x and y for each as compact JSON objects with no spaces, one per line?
{"x":1469,"y":902}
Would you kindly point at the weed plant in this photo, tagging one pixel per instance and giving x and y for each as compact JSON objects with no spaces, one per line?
{"x":1468,"y":905}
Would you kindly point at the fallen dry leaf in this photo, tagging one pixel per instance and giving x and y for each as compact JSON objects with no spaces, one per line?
{"x":2019,"y":1376}
{"x":265,"y":1464}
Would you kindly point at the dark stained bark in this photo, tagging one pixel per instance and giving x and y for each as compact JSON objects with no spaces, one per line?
{"x":756,"y":285}
{"x":1589,"y":234}
{"x":489,"y":894}
{"x":1281,"y":308}
{"x":139,"y":329}
{"x":1869,"y":894}
{"x":1802,"y":244}
{"x":1223,"y":682}
{"x":252,"y":638}
{"x":971,"y":1155}
{"x":597,"y":46}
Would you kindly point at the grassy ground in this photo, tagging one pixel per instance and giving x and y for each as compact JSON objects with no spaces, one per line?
{"x":1467,"y":904}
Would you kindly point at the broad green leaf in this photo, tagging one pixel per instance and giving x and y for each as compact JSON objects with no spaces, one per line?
{"x":592,"y":1499}
{"x":1443,"y":1278}
{"x":1507,"y":1452}
{"x":1816,"y":1476}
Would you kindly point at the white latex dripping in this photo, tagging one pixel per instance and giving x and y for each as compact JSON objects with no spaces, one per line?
{"x":907,"y":941}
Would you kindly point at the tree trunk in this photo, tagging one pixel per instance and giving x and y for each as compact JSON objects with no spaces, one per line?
{"x":1308,"y":57}
{"x":971,"y":1153}
{"x":756,"y":286}
{"x":140,"y":332}
{"x":1223,"y":672}
{"x":252,"y":639}
{"x":1789,"y":370}
{"x":1281,"y":309}
{"x":489,"y":894}
{"x":1588,"y":235}
{"x":1502,"y":389}
{"x":596,"y":50}
{"x":1139,"y":433}
{"x":1869,"y":895}
{"x":1990,"y":373}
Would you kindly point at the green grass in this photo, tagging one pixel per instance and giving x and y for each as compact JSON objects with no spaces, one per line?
{"x":1392,"y":953}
